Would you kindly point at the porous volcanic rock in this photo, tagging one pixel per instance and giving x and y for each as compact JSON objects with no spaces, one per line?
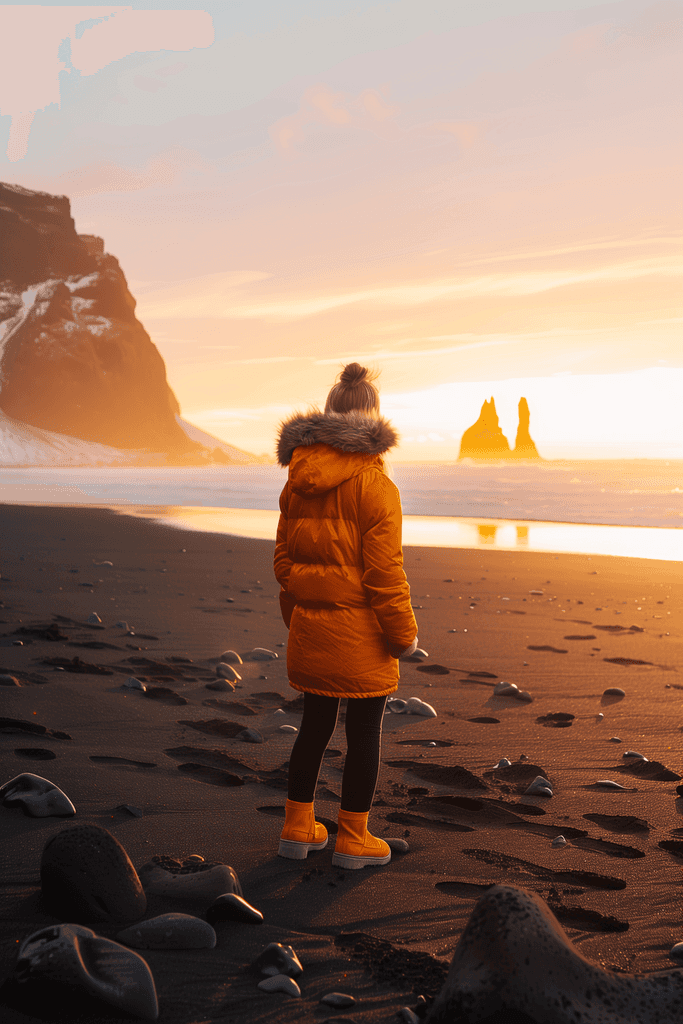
{"x":86,"y":875}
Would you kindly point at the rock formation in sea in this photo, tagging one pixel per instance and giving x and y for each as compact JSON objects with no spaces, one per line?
{"x":74,"y":359}
{"x":485,"y":441}
{"x":524,"y":445}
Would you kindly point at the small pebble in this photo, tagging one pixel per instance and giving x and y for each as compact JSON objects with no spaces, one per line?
{"x":280,"y":983}
{"x":614,"y":691}
{"x":503,"y":689}
{"x":539,"y":787}
{"x":559,"y":841}
{"x":676,"y":953}
{"x":6,"y":680}
{"x":122,"y":625}
{"x":609,"y":784}
{"x":398,"y":845}
{"x":337,"y":999}
{"x":635,"y":754}
{"x":615,"y":739}
{"x":600,"y":716}
{"x":135,"y":811}
{"x":503,"y":763}
{"x":231,"y":658}
{"x":221,"y":685}
{"x":231,"y":907}
{"x":288,"y":728}
{"x":281,"y":958}
{"x":415,"y":706}
{"x":94,"y":619}
{"x":431,"y":744}
{"x":408,"y":1015}
{"x":396,"y":705}
{"x":132,"y":683}
{"x":250,"y":736}
{"x":279,"y":711}
{"x":262,"y":654}
{"x":225,"y":671}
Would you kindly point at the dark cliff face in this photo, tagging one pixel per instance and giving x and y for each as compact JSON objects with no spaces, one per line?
{"x":77,"y":361}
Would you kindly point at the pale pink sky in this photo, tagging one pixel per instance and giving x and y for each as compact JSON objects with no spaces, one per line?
{"x":453,"y":199}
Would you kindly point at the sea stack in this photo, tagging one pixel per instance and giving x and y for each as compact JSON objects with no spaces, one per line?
{"x":75,"y":359}
{"x":485,"y":439}
{"x":486,"y":442}
{"x":524,"y":445}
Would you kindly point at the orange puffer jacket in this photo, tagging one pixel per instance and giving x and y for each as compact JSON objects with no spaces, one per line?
{"x":338,"y":556}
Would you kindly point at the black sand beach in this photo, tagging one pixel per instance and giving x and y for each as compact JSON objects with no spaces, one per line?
{"x":597,"y":623}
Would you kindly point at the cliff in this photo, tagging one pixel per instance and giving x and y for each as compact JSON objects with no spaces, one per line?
{"x":74,"y":359}
{"x":485,"y":440}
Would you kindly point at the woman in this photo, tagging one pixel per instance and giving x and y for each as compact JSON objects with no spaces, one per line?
{"x":346,"y":602}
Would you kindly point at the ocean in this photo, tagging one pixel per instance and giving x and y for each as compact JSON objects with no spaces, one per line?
{"x":624,"y":507}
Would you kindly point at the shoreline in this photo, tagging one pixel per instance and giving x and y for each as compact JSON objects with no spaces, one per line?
{"x":597,"y":624}
{"x":445,"y":532}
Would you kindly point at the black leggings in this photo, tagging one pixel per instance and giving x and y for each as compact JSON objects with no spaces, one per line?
{"x":364,"y":741}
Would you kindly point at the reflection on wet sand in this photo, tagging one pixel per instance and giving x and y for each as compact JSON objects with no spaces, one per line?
{"x":445,"y":531}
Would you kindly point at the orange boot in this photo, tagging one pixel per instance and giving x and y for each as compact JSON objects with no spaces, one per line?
{"x":355,"y":847}
{"x":302,"y":833}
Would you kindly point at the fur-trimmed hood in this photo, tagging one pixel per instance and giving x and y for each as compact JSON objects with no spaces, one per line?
{"x":349,"y":432}
{"x":352,"y":436}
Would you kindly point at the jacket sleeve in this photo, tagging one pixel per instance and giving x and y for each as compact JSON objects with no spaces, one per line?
{"x":384,"y":580}
{"x":282,"y":562}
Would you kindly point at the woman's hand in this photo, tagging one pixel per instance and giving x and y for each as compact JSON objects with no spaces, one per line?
{"x":397,"y":651}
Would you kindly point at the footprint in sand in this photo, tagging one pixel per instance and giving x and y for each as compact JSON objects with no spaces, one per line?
{"x":556,"y":720}
{"x":589,"y":879}
{"x":35,"y":753}
{"x":18,"y":725}
{"x":445,"y":775}
{"x":626,"y":661}
{"x":121,"y":762}
{"x":230,"y":705}
{"x":164,"y":694}
{"x":214,"y":776}
{"x":215,"y":726}
{"x":422,"y":821}
{"x":581,"y":839}
{"x":619,"y":822}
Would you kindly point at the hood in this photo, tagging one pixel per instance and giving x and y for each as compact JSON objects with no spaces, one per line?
{"x":354,"y":442}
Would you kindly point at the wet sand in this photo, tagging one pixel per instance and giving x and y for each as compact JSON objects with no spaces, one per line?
{"x":599,"y":622}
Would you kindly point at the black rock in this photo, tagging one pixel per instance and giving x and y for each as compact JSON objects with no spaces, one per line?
{"x":230,"y":907}
{"x":87,"y":875}
{"x":279,"y":959}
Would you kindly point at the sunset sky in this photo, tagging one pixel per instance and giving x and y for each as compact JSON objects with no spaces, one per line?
{"x":480,"y":199}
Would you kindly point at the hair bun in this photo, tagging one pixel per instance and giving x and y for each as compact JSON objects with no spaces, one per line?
{"x":353,"y":374}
